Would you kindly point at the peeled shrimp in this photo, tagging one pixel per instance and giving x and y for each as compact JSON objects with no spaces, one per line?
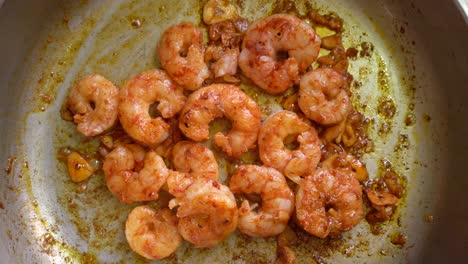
{"x":192,"y":161}
{"x":277,"y":200}
{"x":152,"y":234}
{"x":196,"y":159}
{"x":322,"y":97}
{"x":207,"y":213}
{"x":262,"y":46}
{"x":329,"y":202}
{"x":215,"y":101}
{"x":93,"y":103}
{"x":181,"y":53}
{"x":296,"y":163}
{"x":134,"y":175}
{"x":136,"y":97}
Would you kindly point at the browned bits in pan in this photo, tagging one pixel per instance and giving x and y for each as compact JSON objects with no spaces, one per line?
{"x":352,"y":52}
{"x":348,"y":164}
{"x":381,"y":197}
{"x":10,"y":163}
{"x":410,"y":119}
{"x":226,"y":34}
{"x":399,"y":239}
{"x":428,"y":218}
{"x":290,"y":103}
{"x":337,"y":58}
{"x":351,"y":133}
{"x":366,"y":49}
{"x":332,"y":42}
{"x":394,"y":184}
{"x":221,"y":55}
{"x":284,"y":6}
{"x":380,"y":214}
{"x":384,"y":194}
{"x":331,"y":21}
{"x":285,"y":255}
{"x":386,"y":108}
{"x":216,"y":11}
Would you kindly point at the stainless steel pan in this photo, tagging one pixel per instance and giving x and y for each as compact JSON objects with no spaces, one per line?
{"x":419,"y":60}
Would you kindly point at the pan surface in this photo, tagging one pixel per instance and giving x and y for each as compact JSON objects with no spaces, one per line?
{"x":47,"y":218}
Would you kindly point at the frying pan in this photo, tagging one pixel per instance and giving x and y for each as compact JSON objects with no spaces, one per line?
{"x":419,"y":61}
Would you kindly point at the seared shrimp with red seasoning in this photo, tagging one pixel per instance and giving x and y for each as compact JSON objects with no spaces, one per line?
{"x":264,"y":44}
{"x":93,"y":104}
{"x":277,"y":200}
{"x":322,"y":96}
{"x":222,"y":100}
{"x":136,"y":98}
{"x":191,"y":161}
{"x":134,"y":175}
{"x":292,"y":163}
{"x":181,"y":54}
{"x":207,"y":213}
{"x":329,"y":202}
{"x":152,"y":234}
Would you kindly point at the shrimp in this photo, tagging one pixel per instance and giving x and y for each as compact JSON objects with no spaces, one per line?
{"x":296,"y":163}
{"x":329,"y":202}
{"x":277,"y":200}
{"x":322,"y":97}
{"x":207,"y":213}
{"x":181,"y":53}
{"x":136,"y":97}
{"x":264,"y":44}
{"x":216,"y":101}
{"x":152,"y":234}
{"x":192,"y":161}
{"x":133,"y":175}
{"x":93,"y":104}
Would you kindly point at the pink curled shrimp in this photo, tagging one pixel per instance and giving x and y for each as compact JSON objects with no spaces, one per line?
{"x":182,"y":56}
{"x":277,"y":200}
{"x":292,"y":163}
{"x":265,"y":41}
{"x":152,"y":234}
{"x":222,"y":100}
{"x":136,"y":97}
{"x":93,"y":104}
{"x":192,"y":161}
{"x":322,"y":96}
{"x":207,"y":213}
{"x":134,"y":175}
{"x":329,"y":202}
